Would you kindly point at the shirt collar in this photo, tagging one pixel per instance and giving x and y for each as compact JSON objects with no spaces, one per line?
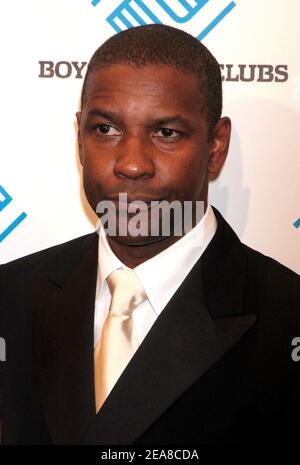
{"x":174,"y":263}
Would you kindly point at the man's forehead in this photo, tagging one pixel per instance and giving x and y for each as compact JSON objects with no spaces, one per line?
{"x":155,"y":73}
{"x":162,"y":83}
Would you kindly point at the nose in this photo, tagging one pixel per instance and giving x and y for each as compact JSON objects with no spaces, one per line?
{"x":132,"y":160}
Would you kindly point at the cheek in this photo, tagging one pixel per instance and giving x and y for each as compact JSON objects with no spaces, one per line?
{"x":96,"y":166}
{"x":189,"y":174}
{"x":90,"y":187}
{"x":95,"y":176}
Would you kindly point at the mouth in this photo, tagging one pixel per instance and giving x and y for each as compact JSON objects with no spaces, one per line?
{"x":124,"y":202}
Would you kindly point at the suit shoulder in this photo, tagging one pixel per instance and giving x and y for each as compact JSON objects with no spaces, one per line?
{"x":33,"y":261}
{"x":268,"y":263}
{"x":274,"y":279}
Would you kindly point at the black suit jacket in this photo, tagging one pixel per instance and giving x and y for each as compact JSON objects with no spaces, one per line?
{"x":215,"y":368}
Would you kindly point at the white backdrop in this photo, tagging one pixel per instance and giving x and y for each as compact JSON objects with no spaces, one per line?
{"x":41,"y":199}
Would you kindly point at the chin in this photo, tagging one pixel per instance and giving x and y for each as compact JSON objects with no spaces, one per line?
{"x":136,"y":241}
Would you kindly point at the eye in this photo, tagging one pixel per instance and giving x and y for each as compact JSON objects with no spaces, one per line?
{"x":166,"y":133}
{"x":107,"y":130}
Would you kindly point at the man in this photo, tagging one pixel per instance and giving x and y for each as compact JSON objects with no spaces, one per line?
{"x":206,"y":357}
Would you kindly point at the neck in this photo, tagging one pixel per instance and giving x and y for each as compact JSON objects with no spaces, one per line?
{"x":133,"y":255}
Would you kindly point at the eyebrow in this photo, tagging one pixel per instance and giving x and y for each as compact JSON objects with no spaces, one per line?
{"x":109,"y":115}
{"x":154,"y":122}
{"x":165,"y":120}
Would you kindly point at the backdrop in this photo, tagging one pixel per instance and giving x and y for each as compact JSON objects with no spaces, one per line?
{"x":45,"y":47}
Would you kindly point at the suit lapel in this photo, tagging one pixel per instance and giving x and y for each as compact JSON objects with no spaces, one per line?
{"x":224,"y":265}
{"x":63,"y":340}
{"x":203,"y":320}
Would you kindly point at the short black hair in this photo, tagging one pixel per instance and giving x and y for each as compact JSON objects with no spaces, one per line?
{"x":158,"y":44}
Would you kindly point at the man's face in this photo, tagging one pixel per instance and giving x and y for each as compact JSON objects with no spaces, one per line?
{"x":142,"y":132}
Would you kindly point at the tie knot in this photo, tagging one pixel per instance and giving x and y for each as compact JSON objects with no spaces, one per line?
{"x":126,"y":290}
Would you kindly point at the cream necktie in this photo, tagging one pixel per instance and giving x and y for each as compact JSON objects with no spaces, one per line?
{"x":119,"y":341}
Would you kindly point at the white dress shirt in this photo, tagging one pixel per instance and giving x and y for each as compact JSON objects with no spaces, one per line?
{"x":160,"y":276}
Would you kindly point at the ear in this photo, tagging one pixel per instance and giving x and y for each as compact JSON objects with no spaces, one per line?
{"x":78,"y":117}
{"x":220,"y":140}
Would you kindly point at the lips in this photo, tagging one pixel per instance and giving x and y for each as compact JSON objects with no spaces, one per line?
{"x":136,"y":202}
{"x":134,"y":198}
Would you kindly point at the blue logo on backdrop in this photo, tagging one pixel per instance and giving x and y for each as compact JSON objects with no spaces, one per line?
{"x":5,"y":200}
{"x":297,"y":223}
{"x":131,"y":13}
